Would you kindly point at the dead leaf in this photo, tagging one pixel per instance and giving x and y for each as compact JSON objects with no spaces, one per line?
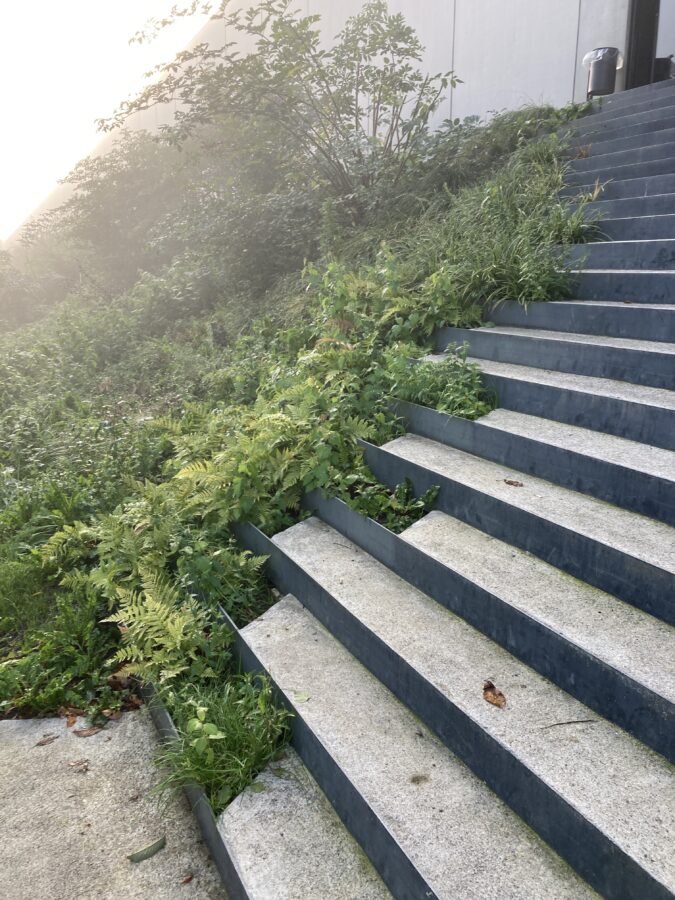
{"x":81,"y":766}
{"x":118,"y":682}
{"x":147,"y":852}
{"x":136,"y":796}
{"x":493,"y":695}
{"x":46,"y":739}
{"x":87,"y":732}
{"x":187,"y":878}
{"x":301,"y":696}
{"x":513,"y":482}
{"x":113,"y":714}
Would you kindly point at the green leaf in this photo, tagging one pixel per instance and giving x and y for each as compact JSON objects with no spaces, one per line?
{"x":258,"y":787}
{"x":147,"y":852}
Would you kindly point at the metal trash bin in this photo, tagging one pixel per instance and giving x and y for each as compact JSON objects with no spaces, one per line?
{"x":602,"y":64}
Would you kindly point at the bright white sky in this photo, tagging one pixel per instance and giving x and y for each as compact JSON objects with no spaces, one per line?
{"x":62,"y":65}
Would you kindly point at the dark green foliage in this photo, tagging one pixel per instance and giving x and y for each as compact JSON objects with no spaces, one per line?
{"x":64,"y":663}
{"x":228,"y":734}
{"x":396,"y":510}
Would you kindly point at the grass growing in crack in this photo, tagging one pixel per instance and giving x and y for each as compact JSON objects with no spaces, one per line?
{"x":227,"y":735}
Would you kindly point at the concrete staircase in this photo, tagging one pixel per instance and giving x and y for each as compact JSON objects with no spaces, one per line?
{"x":485,"y":705}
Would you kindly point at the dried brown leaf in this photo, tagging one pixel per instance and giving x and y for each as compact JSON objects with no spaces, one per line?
{"x":493,"y":695}
{"x":87,"y":732}
{"x":81,"y":766}
{"x":47,"y":739}
{"x":513,"y":482}
{"x":187,"y":878}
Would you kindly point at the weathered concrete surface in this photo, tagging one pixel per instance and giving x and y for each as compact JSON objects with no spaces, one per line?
{"x":67,"y":833}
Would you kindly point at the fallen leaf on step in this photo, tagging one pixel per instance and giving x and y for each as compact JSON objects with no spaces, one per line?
{"x":513,"y":482}
{"x":147,"y":852}
{"x":81,"y":766}
{"x":46,"y":739}
{"x":111,"y":713}
{"x":493,"y":695}
{"x":86,"y":732}
{"x":419,"y":779}
{"x":258,"y":787}
{"x":301,"y":697}
{"x":187,"y":878}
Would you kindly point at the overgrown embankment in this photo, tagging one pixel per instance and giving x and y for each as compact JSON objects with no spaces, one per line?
{"x":134,"y":431}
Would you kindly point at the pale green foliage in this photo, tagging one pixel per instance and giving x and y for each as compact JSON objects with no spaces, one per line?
{"x":164,"y":634}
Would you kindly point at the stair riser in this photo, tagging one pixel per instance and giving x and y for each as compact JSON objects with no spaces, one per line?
{"x":604,"y":172}
{"x":606,"y":114}
{"x":607,"y":255}
{"x":635,"y":287}
{"x":635,"y":366}
{"x":601,"y":862}
{"x":600,"y":146}
{"x":623,"y":99}
{"x":390,"y":861}
{"x":624,"y":322}
{"x":640,"y":228}
{"x":627,"y":578}
{"x":651,"y":186}
{"x":632,"y":207}
{"x":625,"y":122}
{"x":620,"y":485}
{"x":645,"y":424}
{"x":610,"y":693}
{"x":633,"y":157}
{"x":647,"y":132}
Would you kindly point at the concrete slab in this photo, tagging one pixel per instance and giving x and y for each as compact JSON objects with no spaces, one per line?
{"x":288,"y":843}
{"x":67,"y":832}
{"x":463,"y":840}
{"x":613,"y":781}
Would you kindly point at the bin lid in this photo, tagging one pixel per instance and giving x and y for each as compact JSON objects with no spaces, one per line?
{"x":606,"y":54}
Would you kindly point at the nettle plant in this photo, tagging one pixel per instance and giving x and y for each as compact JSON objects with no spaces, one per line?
{"x":354,"y":114}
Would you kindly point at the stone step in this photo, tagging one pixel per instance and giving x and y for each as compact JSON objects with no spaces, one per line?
{"x":662,"y":204}
{"x":513,"y":598}
{"x":643,"y":134}
{"x":649,"y":186}
{"x":621,"y":359}
{"x":638,"y":228}
{"x":287,"y":841}
{"x":421,"y":816}
{"x":600,"y":146}
{"x":632,"y":411}
{"x":620,"y":552}
{"x":629,"y":285}
{"x":651,"y":255}
{"x":627,"y":122}
{"x":613,"y":319}
{"x":605,"y":113}
{"x":608,"y":172}
{"x":573,"y":787}
{"x":628,"y":474}
{"x":621,"y":158}
{"x":624,"y":99}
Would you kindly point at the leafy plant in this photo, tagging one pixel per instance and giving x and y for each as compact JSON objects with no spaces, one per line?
{"x":228,"y":734}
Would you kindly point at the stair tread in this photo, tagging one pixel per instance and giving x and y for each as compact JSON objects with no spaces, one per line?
{"x":441,"y":815}
{"x":573,"y":337}
{"x":616,"y":304}
{"x":316,"y":857}
{"x":624,"y":637}
{"x":615,"y":782}
{"x":630,"y":533}
{"x":589,"y":384}
{"x":606,"y":447}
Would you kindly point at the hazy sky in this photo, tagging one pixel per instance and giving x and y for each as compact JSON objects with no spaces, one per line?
{"x":62,"y":65}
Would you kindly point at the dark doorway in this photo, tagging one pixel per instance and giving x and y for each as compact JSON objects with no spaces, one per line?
{"x":643,"y":30}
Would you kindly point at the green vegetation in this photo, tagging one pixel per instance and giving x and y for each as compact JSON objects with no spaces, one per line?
{"x":187,"y":369}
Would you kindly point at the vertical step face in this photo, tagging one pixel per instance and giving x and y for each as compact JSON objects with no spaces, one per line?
{"x":609,"y":188}
{"x":638,"y":413}
{"x":431,"y":810}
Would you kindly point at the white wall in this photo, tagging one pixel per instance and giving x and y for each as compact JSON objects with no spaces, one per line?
{"x":666,"y":40}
